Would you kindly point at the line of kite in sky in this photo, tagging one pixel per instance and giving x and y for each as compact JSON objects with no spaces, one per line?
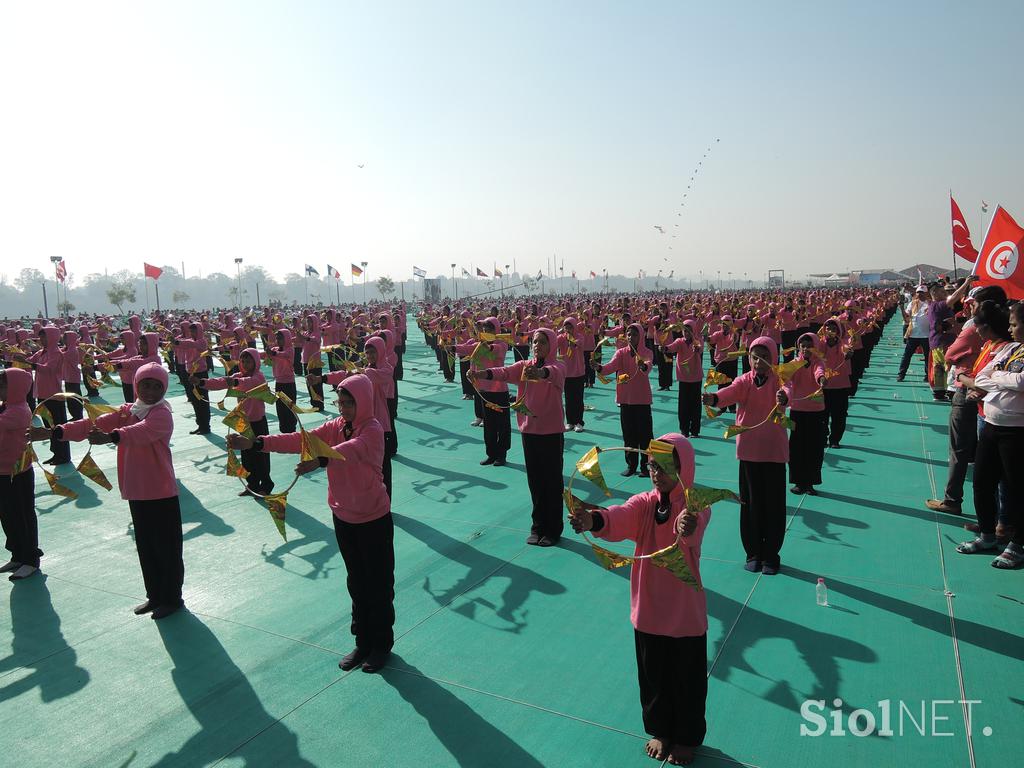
{"x":689,"y":189}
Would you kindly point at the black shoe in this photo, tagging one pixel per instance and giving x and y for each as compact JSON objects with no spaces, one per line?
{"x":797,"y":490}
{"x":771,"y":569}
{"x":146,"y":607}
{"x":628,"y":472}
{"x":163,"y":611}
{"x":353,"y":659}
{"x":900,"y":377}
{"x":499,"y":462}
{"x":200,"y":431}
{"x":487,"y":462}
{"x":376,"y":661}
{"x":643,"y":471}
{"x":752,"y":565}
{"x":811,"y":491}
{"x":533,"y":539}
{"x":548,"y":541}
{"x":834,"y":445}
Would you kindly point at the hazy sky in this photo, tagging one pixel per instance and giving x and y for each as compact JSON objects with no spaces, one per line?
{"x":493,"y":132}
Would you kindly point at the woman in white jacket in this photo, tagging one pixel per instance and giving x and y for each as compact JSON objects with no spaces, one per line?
{"x":1000,"y":385}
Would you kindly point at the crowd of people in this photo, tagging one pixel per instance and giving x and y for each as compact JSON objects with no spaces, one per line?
{"x":786,"y":363}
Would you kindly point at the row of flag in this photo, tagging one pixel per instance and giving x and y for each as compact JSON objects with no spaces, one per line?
{"x":312,"y":271}
{"x":997,"y":261}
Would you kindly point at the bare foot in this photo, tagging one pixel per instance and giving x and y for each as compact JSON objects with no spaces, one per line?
{"x":656,"y":748}
{"x":680,"y":755}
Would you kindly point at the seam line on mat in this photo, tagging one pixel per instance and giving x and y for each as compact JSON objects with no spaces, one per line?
{"x":965,"y":709}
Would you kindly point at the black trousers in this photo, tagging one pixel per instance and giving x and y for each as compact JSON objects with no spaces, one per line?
{"x":497,"y":425}
{"x":60,"y":449}
{"x":998,"y":459}
{"x":789,"y":340}
{"x":297,"y":361}
{"x":368,"y":550}
{"x":158,"y":541}
{"x":385,"y":467}
{"x":837,"y":405}
{"x":588,"y":368}
{"x":730,"y":368}
{"x":318,"y":389}
{"x":762,"y":509}
{"x":286,"y":419}
{"x":543,"y":458}
{"x":637,"y":432}
{"x":963,"y":443}
{"x":89,"y":372}
{"x":806,"y":447}
{"x":664,"y":370}
{"x":391,"y":445}
{"x":128,"y":391}
{"x":258,"y":462}
{"x":75,"y":408}
{"x":574,"y":399}
{"x":688,"y":408}
{"x":18,"y":517}
{"x":673,"y":673}
{"x":446,"y":364}
{"x":911,"y":346}
{"x":200,"y":406}
{"x":467,"y":388}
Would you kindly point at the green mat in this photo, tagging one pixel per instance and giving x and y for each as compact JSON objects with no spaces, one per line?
{"x":509,"y":655}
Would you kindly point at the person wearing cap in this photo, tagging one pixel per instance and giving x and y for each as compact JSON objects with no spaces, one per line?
{"x":915,"y":317}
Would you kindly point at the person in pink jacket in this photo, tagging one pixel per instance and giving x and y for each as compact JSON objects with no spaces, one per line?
{"x":631,"y":366}
{"x":838,"y":386}
{"x":17,"y":490}
{"x":540,"y":380}
{"x":248,"y":377}
{"x":149,"y":352}
{"x":670,"y":618}
{"x":807,"y":410}
{"x":363,"y":524}
{"x":71,"y":372}
{"x":763,"y":452}
{"x":497,"y":424}
{"x":145,"y":475}
{"x":570,"y":352}
{"x":688,"y":352}
{"x":47,"y":365}
{"x":283,"y":368}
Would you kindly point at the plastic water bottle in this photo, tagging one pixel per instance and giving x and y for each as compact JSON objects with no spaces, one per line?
{"x":821,"y":593}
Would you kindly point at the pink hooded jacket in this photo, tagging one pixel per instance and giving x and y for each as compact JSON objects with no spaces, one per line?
{"x":15,"y":418}
{"x":805,"y":381}
{"x":769,"y":442}
{"x":47,"y":364}
{"x":543,"y":397}
{"x":382,"y":378}
{"x":660,"y":604}
{"x":282,"y":359}
{"x":637,"y":390}
{"x":254,"y":410}
{"x":70,"y":371}
{"x":689,"y":368}
{"x":145,"y":470}
{"x":572,"y":356}
{"x":355,"y":487}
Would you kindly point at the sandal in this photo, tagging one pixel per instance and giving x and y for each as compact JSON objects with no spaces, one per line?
{"x":976,"y":546}
{"x":1012,"y":557}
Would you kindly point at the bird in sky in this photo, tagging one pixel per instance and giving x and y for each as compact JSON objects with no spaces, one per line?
{"x":363,"y":165}
{"x":659,"y":228}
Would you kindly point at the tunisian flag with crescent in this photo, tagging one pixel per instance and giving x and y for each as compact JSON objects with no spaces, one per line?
{"x":999,"y":260}
{"x":962,"y":245}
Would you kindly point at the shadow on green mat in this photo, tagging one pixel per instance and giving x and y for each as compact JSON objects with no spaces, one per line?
{"x":469,"y":739}
{"x":480,"y":568}
{"x":222,"y":701}
{"x":36,"y":639}
{"x":193,"y":511}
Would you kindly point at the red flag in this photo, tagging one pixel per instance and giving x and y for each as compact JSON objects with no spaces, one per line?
{"x":481,"y":273}
{"x":593,"y":273}
{"x":962,"y":246}
{"x":152,"y":271}
{"x":62,"y":271}
{"x":999,"y":261}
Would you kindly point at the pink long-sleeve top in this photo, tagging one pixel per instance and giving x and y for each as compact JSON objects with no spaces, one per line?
{"x":355,"y":486}
{"x":637,"y":389}
{"x":570,"y":350}
{"x":15,"y":418}
{"x":661,"y":604}
{"x":282,"y":359}
{"x":253,"y":409}
{"x":804,"y":383}
{"x":70,"y":371}
{"x":192,"y":358}
{"x":496,"y":359}
{"x":311,"y":340}
{"x":543,"y":398}
{"x":768,"y":442}
{"x":145,"y":470}
{"x":835,"y":360}
{"x":964,"y":350}
{"x":689,"y":368}
{"x":380,"y":379}
{"x":47,"y":364}
{"x":724,"y":343}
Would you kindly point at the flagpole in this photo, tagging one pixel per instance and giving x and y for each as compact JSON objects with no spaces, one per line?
{"x":952,"y":236}
{"x":145,"y":281}
{"x":156,"y":287}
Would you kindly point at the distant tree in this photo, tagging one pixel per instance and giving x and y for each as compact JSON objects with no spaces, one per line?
{"x":179,"y":296}
{"x":65,"y":307}
{"x":386,"y":286}
{"x":529,"y":284}
{"x":122,"y":289}
{"x":28,"y":277}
